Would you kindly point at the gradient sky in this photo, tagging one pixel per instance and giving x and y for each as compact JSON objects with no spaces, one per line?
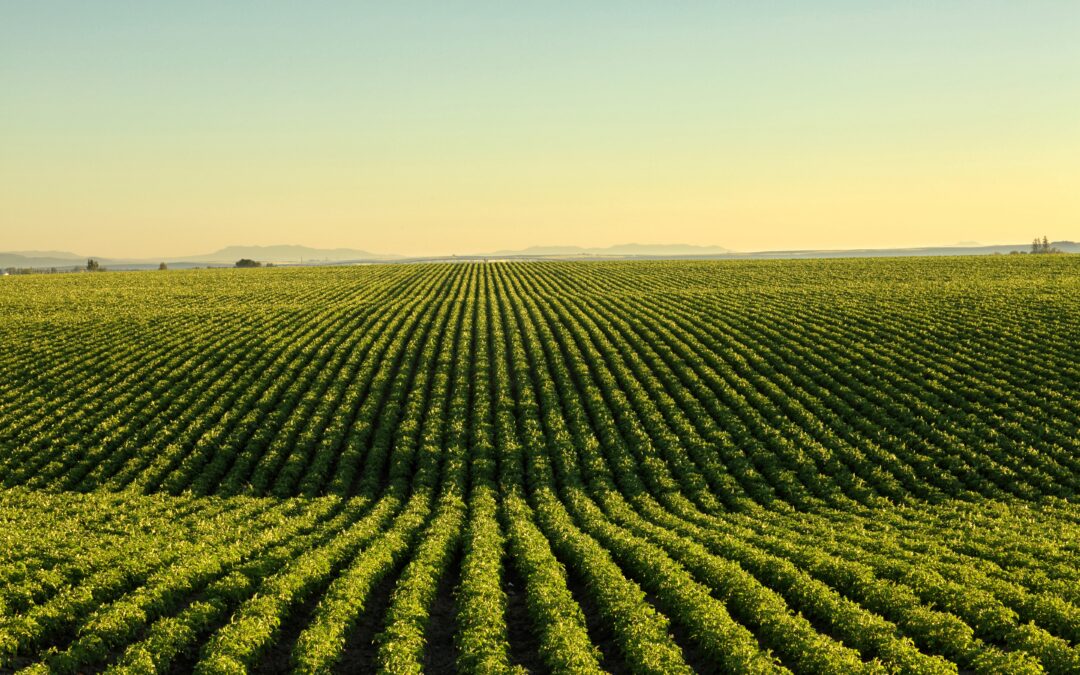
{"x":151,"y":128}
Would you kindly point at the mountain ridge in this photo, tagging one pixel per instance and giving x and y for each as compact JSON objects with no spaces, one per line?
{"x":281,"y":253}
{"x":292,"y":254}
{"x":287,"y":253}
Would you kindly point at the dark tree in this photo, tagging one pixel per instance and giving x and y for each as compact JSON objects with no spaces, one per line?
{"x":248,"y":262}
{"x":92,"y":265}
{"x":1043,"y":246}
{"x":163,"y":266}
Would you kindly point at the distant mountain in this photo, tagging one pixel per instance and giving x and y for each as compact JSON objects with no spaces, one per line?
{"x":58,"y":255}
{"x":620,"y":250}
{"x":284,"y":254}
{"x":40,"y":259}
{"x":292,"y":255}
{"x":226,"y":256}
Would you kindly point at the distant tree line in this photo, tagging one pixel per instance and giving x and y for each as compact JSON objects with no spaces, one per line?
{"x":248,"y":262}
{"x":1039,"y":247}
{"x":1043,"y":246}
{"x":40,"y":270}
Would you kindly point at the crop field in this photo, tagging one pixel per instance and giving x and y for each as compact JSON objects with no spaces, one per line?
{"x":830,"y":466}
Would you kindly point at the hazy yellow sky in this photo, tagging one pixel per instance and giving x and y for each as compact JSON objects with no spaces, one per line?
{"x":145,"y":129}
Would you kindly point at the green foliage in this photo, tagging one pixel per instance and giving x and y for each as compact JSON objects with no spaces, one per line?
{"x":791,"y":466}
{"x":1043,"y":246}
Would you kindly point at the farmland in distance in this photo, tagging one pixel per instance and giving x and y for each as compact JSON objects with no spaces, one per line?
{"x":830,"y":466}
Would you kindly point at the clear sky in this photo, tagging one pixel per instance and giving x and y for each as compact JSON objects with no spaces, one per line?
{"x":134,"y":128}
